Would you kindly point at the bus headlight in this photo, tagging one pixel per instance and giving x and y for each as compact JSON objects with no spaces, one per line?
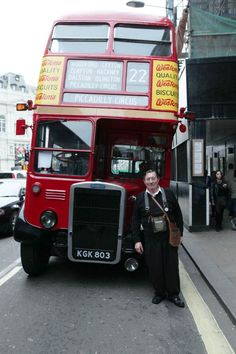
{"x":131,"y":264}
{"x":48,"y":219}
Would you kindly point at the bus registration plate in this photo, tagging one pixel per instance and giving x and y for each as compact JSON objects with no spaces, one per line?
{"x":95,"y":255}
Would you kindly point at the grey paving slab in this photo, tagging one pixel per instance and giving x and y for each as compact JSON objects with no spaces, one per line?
{"x":214,"y":253}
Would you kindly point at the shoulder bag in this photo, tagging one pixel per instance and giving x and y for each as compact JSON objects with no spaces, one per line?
{"x":174,"y":231}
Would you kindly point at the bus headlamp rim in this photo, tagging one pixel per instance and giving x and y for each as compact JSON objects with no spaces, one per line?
{"x":131,"y":264}
{"x":48,"y":219}
{"x":36,"y":188}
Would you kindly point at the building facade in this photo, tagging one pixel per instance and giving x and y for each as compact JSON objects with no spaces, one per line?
{"x":207,"y":87}
{"x":14,"y":149}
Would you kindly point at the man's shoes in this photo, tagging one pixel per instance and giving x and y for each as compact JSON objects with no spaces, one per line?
{"x":157,"y":299}
{"x":176,"y":300}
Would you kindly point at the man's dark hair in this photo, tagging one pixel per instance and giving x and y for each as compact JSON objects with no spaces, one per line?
{"x":150,"y":171}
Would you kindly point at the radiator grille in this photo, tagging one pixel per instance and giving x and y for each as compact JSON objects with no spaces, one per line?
{"x":96,"y":219}
{"x":96,"y":206}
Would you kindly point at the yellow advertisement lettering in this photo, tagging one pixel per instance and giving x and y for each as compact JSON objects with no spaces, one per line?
{"x":165,"y":86}
{"x":49,"y":83}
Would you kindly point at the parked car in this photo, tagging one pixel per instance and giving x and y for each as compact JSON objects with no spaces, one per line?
{"x":12,"y":195}
{"x":13,"y":174}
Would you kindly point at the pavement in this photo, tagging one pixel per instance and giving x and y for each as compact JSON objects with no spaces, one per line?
{"x":214,"y":254}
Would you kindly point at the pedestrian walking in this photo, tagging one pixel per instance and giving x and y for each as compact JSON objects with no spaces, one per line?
{"x":230,"y":178}
{"x":161,"y":258}
{"x":219,"y":195}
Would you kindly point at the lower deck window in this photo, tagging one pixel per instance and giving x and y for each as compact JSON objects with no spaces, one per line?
{"x":133,"y":161}
{"x":60,"y":162}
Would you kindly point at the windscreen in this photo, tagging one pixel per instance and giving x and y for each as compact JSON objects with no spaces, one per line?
{"x":63,"y":147}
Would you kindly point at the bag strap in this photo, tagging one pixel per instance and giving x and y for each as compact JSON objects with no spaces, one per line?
{"x":147,"y":206}
{"x":164,"y":199}
{"x":146,"y":201}
{"x":166,"y":215}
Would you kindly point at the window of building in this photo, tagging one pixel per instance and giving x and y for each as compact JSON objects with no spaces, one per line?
{"x":23,"y":88}
{"x":2,"y":124}
{"x":11,"y":150}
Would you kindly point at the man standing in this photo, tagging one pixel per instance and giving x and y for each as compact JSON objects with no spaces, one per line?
{"x":161,"y":257}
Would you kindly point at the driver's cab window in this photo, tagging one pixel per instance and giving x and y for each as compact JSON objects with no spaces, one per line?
{"x":63,"y":147}
{"x":133,"y":161}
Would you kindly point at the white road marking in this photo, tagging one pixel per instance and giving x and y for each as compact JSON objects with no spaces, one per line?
{"x":10,"y":267}
{"x":212,"y":336}
{"x":10,"y":271}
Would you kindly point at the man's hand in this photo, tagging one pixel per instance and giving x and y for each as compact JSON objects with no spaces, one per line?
{"x":138,"y":247}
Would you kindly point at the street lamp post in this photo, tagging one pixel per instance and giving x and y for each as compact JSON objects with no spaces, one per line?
{"x":135,"y":4}
{"x":169,"y":7}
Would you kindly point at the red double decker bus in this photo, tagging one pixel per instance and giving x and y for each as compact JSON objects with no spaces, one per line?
{"x":105,"y":111}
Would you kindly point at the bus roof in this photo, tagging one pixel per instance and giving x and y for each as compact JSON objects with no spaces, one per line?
{"x":135,"y":17}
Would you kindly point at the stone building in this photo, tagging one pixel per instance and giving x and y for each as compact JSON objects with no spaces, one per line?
{"x":13,"y":89}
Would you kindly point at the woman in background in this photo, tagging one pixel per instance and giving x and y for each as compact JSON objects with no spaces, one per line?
{"x":219,"y":198}
{"x":230,"y":178}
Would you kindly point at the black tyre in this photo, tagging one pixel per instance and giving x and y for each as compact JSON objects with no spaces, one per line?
{"x":34,"y":258}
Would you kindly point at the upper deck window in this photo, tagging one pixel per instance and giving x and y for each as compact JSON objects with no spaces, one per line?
{"x":80,"y":38}
{"x":142,"y":40}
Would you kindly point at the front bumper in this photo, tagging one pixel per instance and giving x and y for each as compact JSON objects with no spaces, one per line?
{"x":58,"y":240}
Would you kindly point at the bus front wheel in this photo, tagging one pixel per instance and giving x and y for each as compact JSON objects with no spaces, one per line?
{"x":34,"y":258}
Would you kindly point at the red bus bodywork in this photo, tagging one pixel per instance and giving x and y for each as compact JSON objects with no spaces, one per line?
{"x":98,"y":118}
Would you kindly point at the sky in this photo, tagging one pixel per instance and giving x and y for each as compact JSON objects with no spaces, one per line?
{"x":25,"y":26}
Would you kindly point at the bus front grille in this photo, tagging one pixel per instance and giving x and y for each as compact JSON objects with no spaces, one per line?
{"x":96,"y":206}
{"x":95,"y":225}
